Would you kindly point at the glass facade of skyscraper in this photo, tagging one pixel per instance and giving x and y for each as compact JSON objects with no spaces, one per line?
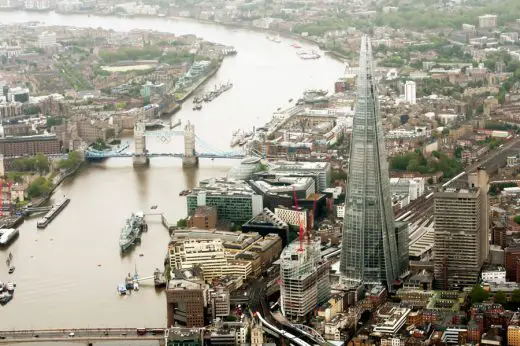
{"x":369,"y":244}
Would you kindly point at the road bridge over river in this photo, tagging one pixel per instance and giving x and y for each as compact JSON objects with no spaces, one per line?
{"x":82,"y":335}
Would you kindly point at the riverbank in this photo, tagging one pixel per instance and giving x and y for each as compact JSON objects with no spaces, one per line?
{"x":244,"y":26}
{"x":199,"y":84}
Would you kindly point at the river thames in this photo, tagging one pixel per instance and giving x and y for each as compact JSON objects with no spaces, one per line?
{"x":67,"y":274}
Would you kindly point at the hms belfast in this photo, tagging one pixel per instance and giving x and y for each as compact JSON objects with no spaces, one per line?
{"x":372,"y":242}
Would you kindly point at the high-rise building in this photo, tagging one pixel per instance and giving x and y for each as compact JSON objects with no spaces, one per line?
{"x":369,"y":247}
{"x":410,"y":90}
{"x":480,"y":179}
{"x":304,"y":279}
{"x":458,"y":232}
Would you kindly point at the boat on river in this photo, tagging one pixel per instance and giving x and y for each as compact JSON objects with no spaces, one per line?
{"x":309,"y":55}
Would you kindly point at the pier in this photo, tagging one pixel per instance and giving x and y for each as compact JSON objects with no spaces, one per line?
{"x":164,"y":221}
{"x":82,"y":335}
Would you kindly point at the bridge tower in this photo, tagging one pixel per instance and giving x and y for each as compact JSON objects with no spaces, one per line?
{"x":190,"y":158}
{"x":140,"y":157}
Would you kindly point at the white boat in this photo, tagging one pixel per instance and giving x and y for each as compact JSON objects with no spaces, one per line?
{"x":275,"y":39}
{"x":10,"y":287}
{"x":7,"y":235}
{"x":309,"y":55}
{"x":136,"y":286}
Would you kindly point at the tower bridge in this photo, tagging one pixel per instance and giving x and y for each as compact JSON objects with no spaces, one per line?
{"x":141,"y":156}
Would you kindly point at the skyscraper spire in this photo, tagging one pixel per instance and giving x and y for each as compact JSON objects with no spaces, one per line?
{"x":369,"y":248}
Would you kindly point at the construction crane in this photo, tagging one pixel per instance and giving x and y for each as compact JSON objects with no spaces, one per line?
{"x":302,"y":230}
{"x":312,"y":215}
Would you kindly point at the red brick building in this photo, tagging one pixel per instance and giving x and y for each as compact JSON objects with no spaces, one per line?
{"x":29,"y":145}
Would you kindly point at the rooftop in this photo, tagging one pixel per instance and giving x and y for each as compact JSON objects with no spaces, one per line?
{"x":223,"y":187}
{"x":268,"y":219}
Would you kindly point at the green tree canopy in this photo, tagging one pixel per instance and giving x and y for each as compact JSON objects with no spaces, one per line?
{"x":478,"y":294}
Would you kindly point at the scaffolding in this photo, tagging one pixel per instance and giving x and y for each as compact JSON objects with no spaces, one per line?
{"x":304,"y":279}
{"x":5,"y":191}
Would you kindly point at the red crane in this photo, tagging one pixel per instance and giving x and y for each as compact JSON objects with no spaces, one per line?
{"x":310,"y":224}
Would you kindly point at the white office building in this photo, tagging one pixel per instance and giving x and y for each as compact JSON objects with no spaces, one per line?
{"x":495,"y":275}
{"x":488,"y":21}
{"x":410,"y":91}
{"x":209,"y":254}
{"x":46,"y":39}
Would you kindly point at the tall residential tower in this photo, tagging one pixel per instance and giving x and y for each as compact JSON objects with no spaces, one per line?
{"x":369,"y":253}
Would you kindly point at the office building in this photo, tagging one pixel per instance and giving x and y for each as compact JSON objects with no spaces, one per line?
{"x":267,"y":222}
{"x":293,"y":217}
{"x":206,"y":253}
{"x":488,"y":21}
{"x":220,"y":305}
{"x":494,"y":274}
{"x":390,"y":319}
{"x":181,"y":336}
{"x":234,"y":200}
{"x":413,"y":187}
{"x":457,"y":240}
{"x":204,"y":217}
{"x":513,"y":330}
{"x":319,"y":171}
{"x":512,"y":262}
{"x":410,"y":91}
{"x":480,"y":179}
{"x":37,"y":5}
{"x":221,"y":253}
{"x":47,"y":39}
{"x":257,"y":335}
{"x":369,"y":247}
{"x":304,"y":279}
{"x":186,"y":302}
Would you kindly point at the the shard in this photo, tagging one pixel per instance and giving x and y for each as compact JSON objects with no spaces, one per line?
{"x":369,"y":247}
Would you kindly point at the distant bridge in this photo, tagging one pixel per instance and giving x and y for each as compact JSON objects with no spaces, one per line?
{"x":83,"y":335}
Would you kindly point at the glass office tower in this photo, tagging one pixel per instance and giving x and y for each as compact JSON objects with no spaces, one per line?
{"x":368,"y":250}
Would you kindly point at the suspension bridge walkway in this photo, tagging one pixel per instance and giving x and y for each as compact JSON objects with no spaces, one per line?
{"x":141,"y":155}
{"x":94,"y":155}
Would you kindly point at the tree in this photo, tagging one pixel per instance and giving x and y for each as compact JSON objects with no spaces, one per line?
{"x":477,"y":294}
{"x":41,"y":163}
{"x":515,"y":296}
{"x":182,"y":223}
{"x":40,"y":186}
{"x":500,"y":298}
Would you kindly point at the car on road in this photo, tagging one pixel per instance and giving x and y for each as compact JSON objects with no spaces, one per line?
{"x":71,"y":334}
